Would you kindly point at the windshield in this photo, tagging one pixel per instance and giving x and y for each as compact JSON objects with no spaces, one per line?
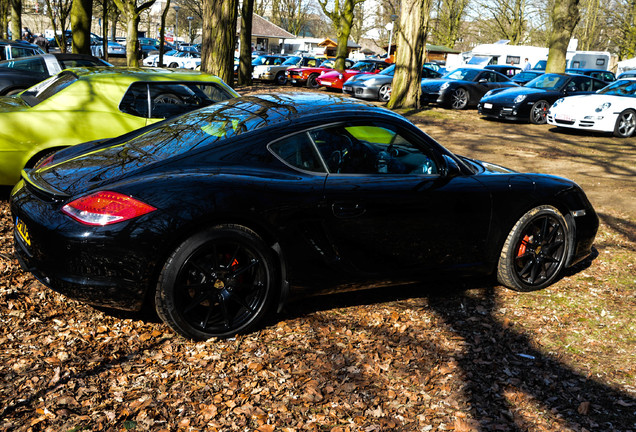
{"x":388,"y":71}
{"x":49,"y":87}
{"x":462,"y":74}
{"x":548,"y":82}
{"x":291,"y":61}
{"x":620,"y":88}
{"x":364,"y":66}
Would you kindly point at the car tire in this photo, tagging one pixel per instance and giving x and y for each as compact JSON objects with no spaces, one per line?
{"x":167,"y":98}
{"x":539,"y":112}
{"x":384,"y":94}
{"x":535,"y":250}
{"x":459,"y":98}
{"x":280,"y":79}
{"x":173,"y":65}
{"x":312,"y":81}
{"x":218,"y":283}
{"x":625,"y":124}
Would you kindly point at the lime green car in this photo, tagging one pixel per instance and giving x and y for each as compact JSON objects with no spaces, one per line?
{"x":86,"y":104}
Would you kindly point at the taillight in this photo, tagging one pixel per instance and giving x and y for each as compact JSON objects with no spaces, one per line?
{"x":104,"y":208}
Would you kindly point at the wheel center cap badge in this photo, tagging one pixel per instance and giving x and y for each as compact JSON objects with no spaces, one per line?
{"x":219,"y":284}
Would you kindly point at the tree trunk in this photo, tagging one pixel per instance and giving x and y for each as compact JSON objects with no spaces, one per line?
{"x":344,"y":31}
{"x":132,"y":44}
{"x":162,"y":33}
{"x":564,"y":17}
{"x":4,"y":19}
{"x":81,"y":15}
{"x":411,"y":43}
{"x":245,"y":65}
{"x":105,"y":30}
{"x":16,"y":19}
{"x":218,"y":45}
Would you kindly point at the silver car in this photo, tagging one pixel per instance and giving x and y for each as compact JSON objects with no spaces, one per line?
{"x":378,"y":86}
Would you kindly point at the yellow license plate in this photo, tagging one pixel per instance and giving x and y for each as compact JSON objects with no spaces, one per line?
{"x":23,"y":232}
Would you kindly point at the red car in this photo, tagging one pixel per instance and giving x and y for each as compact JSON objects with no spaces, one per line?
{"x":308,"y":75}
{"x":335,"y":79}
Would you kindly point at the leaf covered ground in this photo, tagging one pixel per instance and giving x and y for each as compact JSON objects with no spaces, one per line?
{"x":462,"y":355}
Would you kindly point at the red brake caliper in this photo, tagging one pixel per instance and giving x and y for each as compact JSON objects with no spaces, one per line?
{"x":522,"y":246}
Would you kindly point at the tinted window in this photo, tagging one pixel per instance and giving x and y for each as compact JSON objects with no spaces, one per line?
{"x":31,"y":64}
{"x":298,"y":151}
{"x":169,"y":99}
{"x":22,"y":52}
{"x":621,"y":88}
{"x":369,"y":149}
{"x":548,"y":82}
{"x":463,"y":74}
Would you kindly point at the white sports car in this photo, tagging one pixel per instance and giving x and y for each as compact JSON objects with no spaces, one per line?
{"x":611,"y":109}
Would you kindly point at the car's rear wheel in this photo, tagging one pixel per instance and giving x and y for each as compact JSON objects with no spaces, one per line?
{"x":539,"y":112}
{"x":384,"y":94}
{"x":312,"y":81}
{"x":280,"y":79}
{"x":218,"y":283}
{"x":535,"y":250}
{"x":173,"y":65}
{"x":459,"y":98}
{"x":625,"y":124}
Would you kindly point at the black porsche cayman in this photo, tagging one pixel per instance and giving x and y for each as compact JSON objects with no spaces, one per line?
{"x":219,"y":214}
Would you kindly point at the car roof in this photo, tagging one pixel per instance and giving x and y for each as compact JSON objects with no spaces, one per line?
{"x":17,"y":42}
{"x":138,"y":74}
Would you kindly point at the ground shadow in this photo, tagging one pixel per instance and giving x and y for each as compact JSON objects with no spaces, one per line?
{"x":500,"y":362}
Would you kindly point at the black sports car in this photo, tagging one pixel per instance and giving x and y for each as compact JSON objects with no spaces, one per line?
{"x":219,"y":214}
{"x":532,"y":101}
{"x":20,"y":74}
{"x":463,"y":87}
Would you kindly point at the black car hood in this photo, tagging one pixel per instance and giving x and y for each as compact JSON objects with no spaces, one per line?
{"x":508,"y":95}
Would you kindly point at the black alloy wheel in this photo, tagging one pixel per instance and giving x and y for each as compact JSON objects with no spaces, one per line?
{"x":459,"y":98}
{"x":312,"y":81}
{"x":535,"y":251}
{"x":539,"y":112}
{"x":280,"y":79}
{"x":384,"y":94}
{"x":218,"y":283}
{"x":625,"y":124}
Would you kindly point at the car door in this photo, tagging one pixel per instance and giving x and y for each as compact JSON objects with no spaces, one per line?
{"x":388,"y":207}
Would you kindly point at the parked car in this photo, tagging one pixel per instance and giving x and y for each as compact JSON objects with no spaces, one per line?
{"x":507,"y":70}
{"x":627,"y":74}
{"x":19,"y":74}
{"x":612,"y":109}
{"x":524,"y":77}
{"x":308,"y":75}
{"x":190,"y":59}
{"x":335,"y":79}
{"x":116,"y":49}
{"x":79,"y":105}
{"x":378,"y":86}
{"x":234,"y":206}
{"x":606,"y":76}
{"x":276,"y":73}
{"x":153,"y":59}
{"x":16,"y":49}
{"x":261,"y":60}
{"x":463,"y":87}
{"x":532,"y":101}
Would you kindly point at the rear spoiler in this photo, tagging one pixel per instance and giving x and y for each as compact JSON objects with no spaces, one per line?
{"x":42,"y":186}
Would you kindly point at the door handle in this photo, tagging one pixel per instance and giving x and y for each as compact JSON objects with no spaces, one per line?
{"x":347,"y":209}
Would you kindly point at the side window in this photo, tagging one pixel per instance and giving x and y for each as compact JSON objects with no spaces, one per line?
{"x":298,"y":151}
{"x":33,"y":64}
{"x":135,"y":101}
{"x":582,"y":83}
{"x":597,"y":85}
{"x":172,"y":99}
{"x":370,"y":149}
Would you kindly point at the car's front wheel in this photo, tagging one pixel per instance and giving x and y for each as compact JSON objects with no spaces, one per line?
{"x":280,"y":79}
{"x":539,"y":112}
{"x":218,"y":283}
{"x":625,"y":124}
{"x":384,"y":94}
{"x":535,"y":250}
{"x":459,"y":99}
{"x":312,"y":81}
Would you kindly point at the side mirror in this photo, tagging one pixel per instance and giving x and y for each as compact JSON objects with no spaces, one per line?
{"x":452,"y":168}
{"x":483,"y":80}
